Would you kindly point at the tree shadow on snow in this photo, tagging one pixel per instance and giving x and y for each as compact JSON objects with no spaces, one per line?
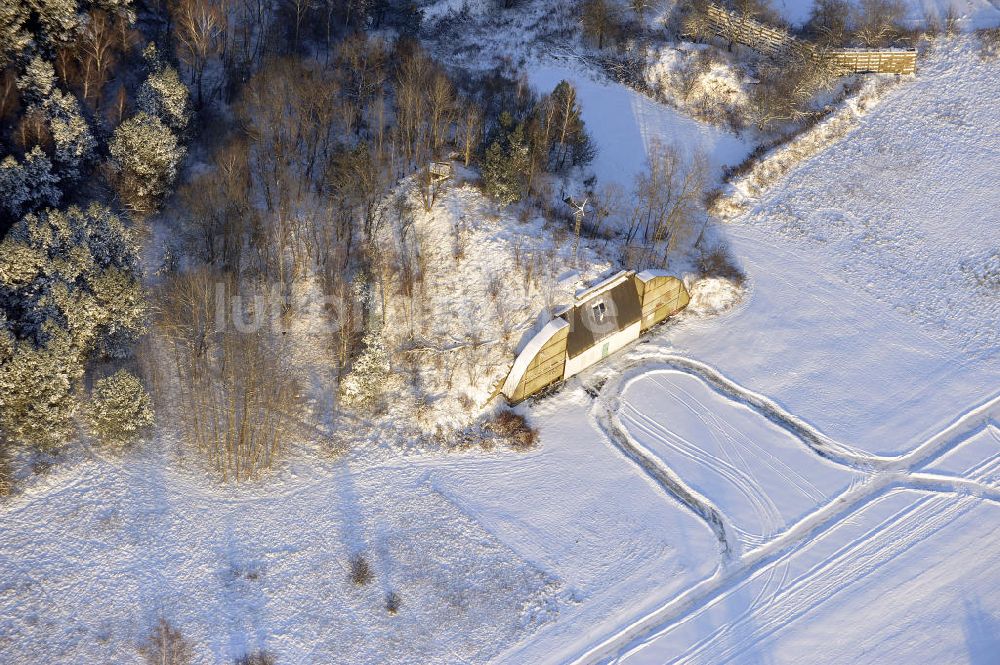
{"x":982,"y":633}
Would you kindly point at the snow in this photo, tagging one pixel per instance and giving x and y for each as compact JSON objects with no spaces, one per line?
{"x":860,"y":331}
{"x":482,"y":549}
{"x":712,"y":295}
{"x":811,"y":470}
{"x":978,"y":451}
{"x":760,"y":476}
{"x":625,"y":124}
{"x":265,"y":573}
{"x":487,"y":282}
{"x":719,"y":92}
{"x":881,"y":586}
{"x":860,"y":318}
{"x":972,"y":13}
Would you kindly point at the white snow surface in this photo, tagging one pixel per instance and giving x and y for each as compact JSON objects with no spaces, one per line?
{"x":626,"y":124}
{"x":882,"y":586}
{"x":760,"y":477}
{"x":981,"y":450}
{"x":972,"y":14}
{"x":483,"y":551}
{"x":861,"y":331}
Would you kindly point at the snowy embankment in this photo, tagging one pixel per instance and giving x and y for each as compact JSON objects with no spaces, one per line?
{"x":481,"y":282}
{"x":627,"y":124}
{"x":971,"y":14}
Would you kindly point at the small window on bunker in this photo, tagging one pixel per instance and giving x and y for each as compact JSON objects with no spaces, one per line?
{"x":600,"y":310}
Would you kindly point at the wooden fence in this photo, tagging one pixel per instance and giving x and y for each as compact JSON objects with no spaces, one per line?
{"x":778,"y":43}
{"x":881,"y":61}
{"x":747,"y":31}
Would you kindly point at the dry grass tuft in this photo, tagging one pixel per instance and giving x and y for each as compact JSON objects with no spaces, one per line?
{"x":361,"y":570}
{"x":512,"y":428}
{"x":392,"y":603}
{"x":989,"y":42}
{"x":256,"y":658}
{"x":719,"y":262}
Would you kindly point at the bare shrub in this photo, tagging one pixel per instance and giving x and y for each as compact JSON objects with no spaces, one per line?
{"x":601,"y":21}
{"x":730,"y":173}
{"x":6,"y":471}
{"x":361,"y":570}
{"x":829,"y":23}
{"x":989,"y":42}
{"x":877,"y":21}
{"x":785,"y":91}
{"x":717,"y":261}
{"x":514,"y":429}
{"x":256,"y":658}
{"x":166,"y":646}
{"x":392,"y":602}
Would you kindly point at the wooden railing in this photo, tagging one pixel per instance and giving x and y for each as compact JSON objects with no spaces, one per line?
{"x":778,"y":43}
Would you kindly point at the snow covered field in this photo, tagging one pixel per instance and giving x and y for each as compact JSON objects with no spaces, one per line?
{"x":840,"y":424}
{"x":760,"y":476}
{"x":882,"y":587}
{"x":483,"y":551}
{"x":885,"y":331}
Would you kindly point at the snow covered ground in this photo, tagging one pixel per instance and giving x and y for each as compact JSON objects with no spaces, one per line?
{"x":882,"y":586}
{"x":483,"y":550}
{"x":760,"y":476}
{"x":625,"y":124}
{"x":851,"y":401}
{"x":979,"y":451}
{"x":872,"y":313}
{"x":862,"y":330}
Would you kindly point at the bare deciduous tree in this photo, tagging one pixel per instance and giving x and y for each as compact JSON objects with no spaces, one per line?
{"x":166,"y":646}
{"x":668,"y":200}
{"x":877,"y":21}
{"x":600,"y":20}
{"x":829,"y":22}
{"x":198,"y":28}
{"x":95,"y":51}
{"x":472,"y":121}
{"x":236,"y":402}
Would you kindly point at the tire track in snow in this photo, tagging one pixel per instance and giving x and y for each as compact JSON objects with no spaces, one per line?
{"x":765,"y":511}
{"x":849,"y":564}
{"x":883,"y":473}
{"x":739,"y":439}
{"x":605,"y":418}
{"x":818,"y":442}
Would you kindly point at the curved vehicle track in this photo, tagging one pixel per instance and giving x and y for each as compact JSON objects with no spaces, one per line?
{"x":882,"y":475}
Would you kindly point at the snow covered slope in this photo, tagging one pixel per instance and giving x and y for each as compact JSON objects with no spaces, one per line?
{"x":972,"y":14}
{"x":625,"y":124}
